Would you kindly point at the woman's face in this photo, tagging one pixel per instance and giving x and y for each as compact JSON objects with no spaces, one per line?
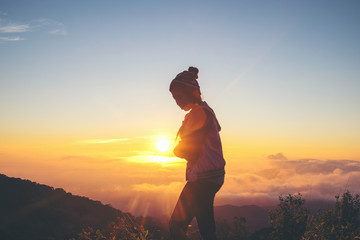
{"x":184,"y":101}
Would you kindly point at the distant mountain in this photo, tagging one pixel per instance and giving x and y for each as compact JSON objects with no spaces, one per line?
{"x":315,"y":205}
{"x":256,"y":217}
{"x":29,"y":210}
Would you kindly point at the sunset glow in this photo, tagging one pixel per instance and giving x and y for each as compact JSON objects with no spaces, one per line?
{"x":163,"y":144}
{"x":85,"y":102}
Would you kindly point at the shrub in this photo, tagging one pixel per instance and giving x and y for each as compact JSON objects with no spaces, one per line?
{"x":339,"y":223}
{"x":289,"y":219}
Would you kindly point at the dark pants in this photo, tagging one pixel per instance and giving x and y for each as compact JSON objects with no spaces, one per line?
{"x":196,"y":200}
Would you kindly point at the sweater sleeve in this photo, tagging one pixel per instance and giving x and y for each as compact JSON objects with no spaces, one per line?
{"x":193,"y":133}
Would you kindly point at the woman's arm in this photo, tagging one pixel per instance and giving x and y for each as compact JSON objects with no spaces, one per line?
{"x":193,"y":134}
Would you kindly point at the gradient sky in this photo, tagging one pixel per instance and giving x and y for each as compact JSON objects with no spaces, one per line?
{"x":84,"y":95}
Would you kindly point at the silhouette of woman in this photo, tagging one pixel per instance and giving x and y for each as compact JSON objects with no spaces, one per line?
{"x":200,"y":145}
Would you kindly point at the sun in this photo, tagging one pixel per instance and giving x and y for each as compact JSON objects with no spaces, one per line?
{"x":163,"y":144}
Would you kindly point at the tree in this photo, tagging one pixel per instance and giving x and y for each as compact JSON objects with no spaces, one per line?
{"x":289,"y":219}
{"x":339,"y":223}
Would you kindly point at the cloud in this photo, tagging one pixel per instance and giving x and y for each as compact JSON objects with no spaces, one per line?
{"x":278,"y":156}
{"x":162,"y":188}
{"x":151,"y":158}
{"x":14,"y":28}
{"x":47,"y":25}
{"x":315,"y":166}
{"x":58,"y":32}
{"x":102,"y":140}
{"x":142,"y":184}
{"x":56,"y":28}
{"x":308,"y":166}
{"x":88,"y":160}
{"x":11,"y":39}
{"x":314,"y":178}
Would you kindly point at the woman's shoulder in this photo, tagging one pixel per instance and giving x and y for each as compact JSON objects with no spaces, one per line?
{"x":210,"y":114}
{"x":196,"y":118}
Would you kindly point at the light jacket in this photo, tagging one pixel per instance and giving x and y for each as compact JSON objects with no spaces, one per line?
{"x":200,"y":145}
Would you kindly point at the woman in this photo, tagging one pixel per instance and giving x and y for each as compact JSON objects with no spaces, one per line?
{"x":200,"y":145}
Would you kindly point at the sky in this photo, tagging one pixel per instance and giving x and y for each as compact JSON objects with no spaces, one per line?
{"x":84,"y":96}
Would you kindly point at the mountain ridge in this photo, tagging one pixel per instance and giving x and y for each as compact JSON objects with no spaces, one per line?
{"x":30,"y":210}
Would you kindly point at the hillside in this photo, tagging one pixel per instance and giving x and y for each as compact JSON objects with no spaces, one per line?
{"x":34,"y":211}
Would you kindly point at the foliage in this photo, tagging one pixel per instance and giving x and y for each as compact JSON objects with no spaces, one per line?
{"x":235,"y":230}
{"x":225,"y":230}
{"x":125,"y":228}
{"x":289,"y":219}
{"x":155,"y":229}
{"x":340,"y":223}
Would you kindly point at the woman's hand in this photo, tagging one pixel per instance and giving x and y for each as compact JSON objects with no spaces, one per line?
{"x":187,"y":151}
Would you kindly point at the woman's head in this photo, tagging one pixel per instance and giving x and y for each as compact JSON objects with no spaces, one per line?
{"x":185,"y":88}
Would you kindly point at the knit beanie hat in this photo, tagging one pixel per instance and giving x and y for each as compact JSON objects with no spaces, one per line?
{"x":187,"y":78}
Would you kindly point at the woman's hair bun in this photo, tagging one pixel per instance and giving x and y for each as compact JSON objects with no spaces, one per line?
{"x":194,"y":70}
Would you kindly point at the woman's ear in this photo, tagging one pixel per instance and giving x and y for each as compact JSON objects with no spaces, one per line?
{"x":197,"y":94}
